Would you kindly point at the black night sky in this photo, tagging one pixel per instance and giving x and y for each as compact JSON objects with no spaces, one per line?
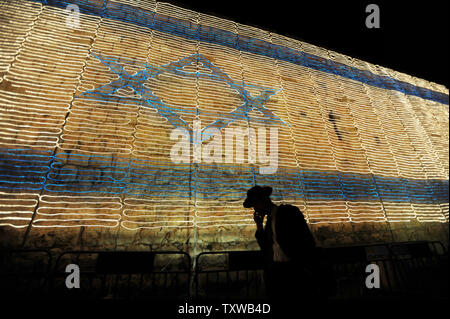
{"x":413,"y":35}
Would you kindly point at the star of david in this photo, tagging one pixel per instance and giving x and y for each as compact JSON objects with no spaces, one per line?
{"x":136,"y":81}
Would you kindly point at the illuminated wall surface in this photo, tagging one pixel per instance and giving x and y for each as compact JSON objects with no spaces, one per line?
{"x":86,"y":115}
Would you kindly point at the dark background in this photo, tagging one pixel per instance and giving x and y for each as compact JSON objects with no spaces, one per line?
{"x":413,"y":35}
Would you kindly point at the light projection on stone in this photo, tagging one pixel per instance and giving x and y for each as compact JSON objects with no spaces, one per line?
{"x":87,"y":113}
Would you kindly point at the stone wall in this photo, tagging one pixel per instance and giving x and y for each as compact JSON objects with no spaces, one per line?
{"x":87,"y":115}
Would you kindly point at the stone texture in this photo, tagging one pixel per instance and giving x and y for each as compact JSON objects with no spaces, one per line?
{"x":365,"y":165}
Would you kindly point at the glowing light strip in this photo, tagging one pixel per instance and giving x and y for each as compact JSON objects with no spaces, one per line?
{"x":16,"y":209}
{"x":89,"y":211}
{"x":330,"y":190}
{"x":151,"y":72}
{"x":15,"y":31}
{"x":150,"y":220}
{"x":192,"y":30}
{"x":419,"y":212}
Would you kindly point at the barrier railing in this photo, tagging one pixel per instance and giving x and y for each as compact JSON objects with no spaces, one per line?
{"x":399,"y":272}
{"x":349,"y":266}
{"x":24,"y":272}
{"x":408,"y":269}
{"x":421,"y":268}
{"x":229,"y":274}
{"x":125,"y":275}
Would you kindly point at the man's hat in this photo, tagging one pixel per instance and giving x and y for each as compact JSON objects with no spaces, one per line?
{"x":255,"y":193}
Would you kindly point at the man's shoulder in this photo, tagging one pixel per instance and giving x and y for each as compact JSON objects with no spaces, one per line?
{"x":290,"y":210}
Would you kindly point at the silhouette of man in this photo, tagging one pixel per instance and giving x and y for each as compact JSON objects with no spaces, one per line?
{"x":287,"y":244}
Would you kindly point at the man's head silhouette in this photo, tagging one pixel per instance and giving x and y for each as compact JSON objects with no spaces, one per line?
{"x":258,"y":197}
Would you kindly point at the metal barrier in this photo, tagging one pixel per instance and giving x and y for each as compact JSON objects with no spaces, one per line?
{"x":408,"y":269}
{"x":124,"y":275}
{"x":421,"y":268}
{"x":349,"y":266}
{"x":24,"y":273}
{"x":229,"y":274}
{"x":221,"y":276}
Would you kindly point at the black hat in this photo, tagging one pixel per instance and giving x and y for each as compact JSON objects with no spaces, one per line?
{"x":255,"y":193}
